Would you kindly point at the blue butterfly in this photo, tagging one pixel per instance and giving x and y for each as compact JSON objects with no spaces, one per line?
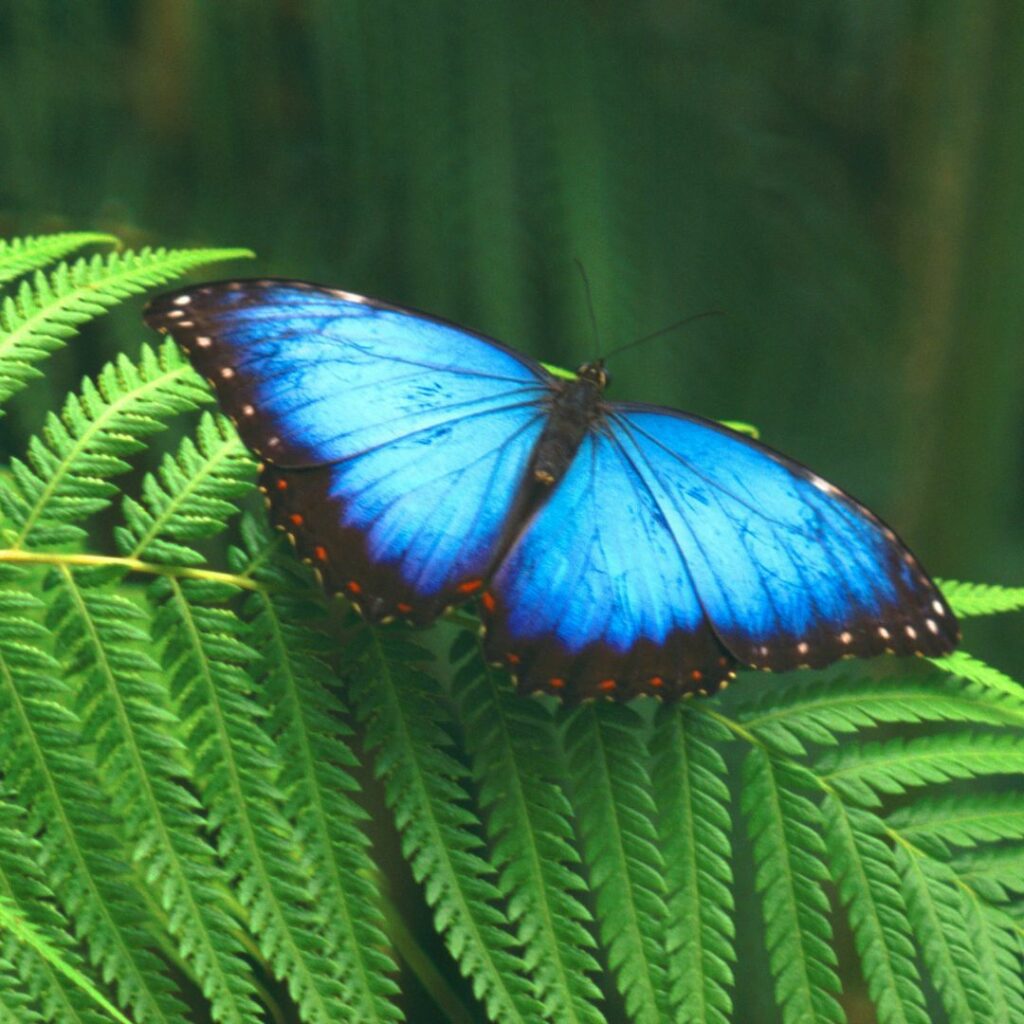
{"x":615,"y":548}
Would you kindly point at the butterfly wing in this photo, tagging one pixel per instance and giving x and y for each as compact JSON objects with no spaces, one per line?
{"x":730,"y":538}
{"x":595,"y":597}
{"x":790,"y":570}
{"x":394,"y":445}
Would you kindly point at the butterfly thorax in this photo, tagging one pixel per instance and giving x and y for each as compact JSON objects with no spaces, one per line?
{"x":575,"y":407}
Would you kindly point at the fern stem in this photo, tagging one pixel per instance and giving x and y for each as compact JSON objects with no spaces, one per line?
{"x":59,"y":558}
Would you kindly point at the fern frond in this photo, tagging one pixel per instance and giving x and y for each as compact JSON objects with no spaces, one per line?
{"x":936,"y":910}
{"x":998,"y":950}
{"x":191,"y":497}
{"x":996,"y":873}
{"x":46,"y":311}
{"x":785,"y":828}
{"x":611,"y":793}
{"x":66,"y":477}
{"x":16,"y":1005}
{"x":24,"y":890}
{"x":307,"y":723}
{"x":513,"y":748}
{"x":968,"y":599}
{"x":864,"y":870}
{"x":42,"y":760}
{"x":20,"y":255}
{"x":861,"y":772}
{"x":127,"y":718}
{"x":424,"y":786}
{"x":961,"y":819}
{"x":990,"y":680}
{"x":205,"y":653}
{"x":694,"y":825}
{"x":815,"y":713}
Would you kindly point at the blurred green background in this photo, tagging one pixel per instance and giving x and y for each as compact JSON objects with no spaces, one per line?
{"x":844,"y":177}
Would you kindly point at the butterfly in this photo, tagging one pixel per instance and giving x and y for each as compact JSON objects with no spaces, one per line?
{"x":614,"y":548}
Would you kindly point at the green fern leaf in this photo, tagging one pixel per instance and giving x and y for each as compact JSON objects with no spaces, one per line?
{"x":819,"y":713}
{"x":307,"y":723}
{"x":785,"y":828}
{"x":206,"y":655}
{"x":406,"y":726}
{"x":961,"y":819}
{"x":967,"y":599}
{"x":513,"y":745}
{"x":861,"y":772}
{"x":23,"y":888}
{"x":20,"y":255}
{"x":997,"y":946}
{"x":126,"y":716}
{"x":69,"y":465}
{"x":45,"y":312}
{"x":996,"y":873}
{"x":694,"y":825}
{"x":41,"y":758}
{"x":15,"y":1003}
{"x":864,"y":870}
{"x":991,"y":681}
{"x":937,"y":915}
{"x":607,"y":757}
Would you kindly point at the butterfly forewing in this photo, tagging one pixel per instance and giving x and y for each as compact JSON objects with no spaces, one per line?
{"x":394,"y":444}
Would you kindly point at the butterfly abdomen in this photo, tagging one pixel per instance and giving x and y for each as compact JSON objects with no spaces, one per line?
{"x":575,"y":408}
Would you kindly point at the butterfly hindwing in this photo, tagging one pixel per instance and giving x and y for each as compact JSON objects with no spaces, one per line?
{"x":394,"y":444}
{"x":790,"y":570}
{"x":595,"y":599}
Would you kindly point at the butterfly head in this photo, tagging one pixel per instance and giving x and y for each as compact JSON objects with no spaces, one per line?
{"x":595,"y":373}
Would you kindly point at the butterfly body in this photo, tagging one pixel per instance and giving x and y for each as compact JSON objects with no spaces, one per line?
{"x":614,"y":549}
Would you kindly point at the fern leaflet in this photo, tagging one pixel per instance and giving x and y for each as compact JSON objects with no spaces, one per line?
{"x":49,"y":309}
{"x":20,"y":255}
{"x":694,"y":825}
{"x":788,"y":850}
{"x":607,"y":758}
{"x":40,"y":753}
{"x":937,"y":914}
{"x":424,"y":787}
{"x":967,"y":599}
{"x":864,"y":869}
{"x":307,"y":723}
{"x":206,"y":655}
{"x":512,"y":744}
{"x":862,"y":772}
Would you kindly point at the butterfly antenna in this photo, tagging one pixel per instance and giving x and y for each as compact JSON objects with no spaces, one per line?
{"x":590,"y":302}
{"x":661,"y":331}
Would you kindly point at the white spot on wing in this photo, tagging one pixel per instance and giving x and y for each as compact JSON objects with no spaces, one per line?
{"x":932,"y":625}
{"x":203,"y":342}
{"x":937,"y":606}
{"x":911,"y":632}
{"x":183,"y":300}
{"x":226,"y":372}
{"x":846,"y":638}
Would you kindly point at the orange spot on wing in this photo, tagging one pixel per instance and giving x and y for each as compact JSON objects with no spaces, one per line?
{"x":353,"y":587}
{"x":469,"y":586}
{"x":296,"y":519}
{"x":320,"y":553}
{"x":607,"y":685}
{"x":656,"y":681}
{"x":282,"y":484}
{"x":512,"y":659}
{"x":488,"y":600}
{"x":696,"y":675}
{"x":556,"y":683}
{"x":403,"y":607}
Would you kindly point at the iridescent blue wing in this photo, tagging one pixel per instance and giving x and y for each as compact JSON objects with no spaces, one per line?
{"x":596,"y":598}
{"x":725,"y":535}
{"x":394,"y":444}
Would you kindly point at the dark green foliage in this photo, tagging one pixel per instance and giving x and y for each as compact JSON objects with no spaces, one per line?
{"x":187,"y":728}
